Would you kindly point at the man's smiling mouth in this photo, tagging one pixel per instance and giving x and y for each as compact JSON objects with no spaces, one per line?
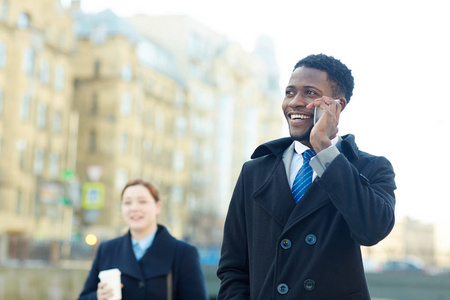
{"x":299,"y":117}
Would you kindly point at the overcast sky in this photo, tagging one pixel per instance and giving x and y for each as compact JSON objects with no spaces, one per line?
{"x":399,"y":55}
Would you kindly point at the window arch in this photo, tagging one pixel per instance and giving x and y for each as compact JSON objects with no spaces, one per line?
{"x":23,"y":21}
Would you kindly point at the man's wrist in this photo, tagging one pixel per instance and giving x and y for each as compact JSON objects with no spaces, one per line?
{"x":323,"y":159}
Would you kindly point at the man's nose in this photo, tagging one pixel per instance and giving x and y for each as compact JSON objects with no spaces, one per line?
{"x":298,"y":101}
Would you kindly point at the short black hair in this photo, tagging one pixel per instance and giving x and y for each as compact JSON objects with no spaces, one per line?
{"x":337,"y":72}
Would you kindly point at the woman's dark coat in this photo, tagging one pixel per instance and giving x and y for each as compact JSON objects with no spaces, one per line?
{"x":275,"y":249}
{"x":147,"y":279}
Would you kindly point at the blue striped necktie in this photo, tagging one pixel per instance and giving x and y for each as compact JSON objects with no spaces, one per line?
{"x":304,"y":176}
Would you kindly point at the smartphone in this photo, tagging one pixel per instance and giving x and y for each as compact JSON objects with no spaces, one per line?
{"x":318,"y":112}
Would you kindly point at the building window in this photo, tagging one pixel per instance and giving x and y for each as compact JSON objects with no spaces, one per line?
{"x":45,"y":72}
{"x":23,"y":21}
{"x":99,"y":34}
{"x":28,"y":61}
{"x":92,"y":141}
{"x":159,"y":122}
{"x":97,"y":65}
{"x":194,"y":44}
{"x":150,"y":85}
{"x":180,"y":99}
{"x":19,"y":202}
{"x":21,"y":150}
{"x":1,"y":101}
{"x":41,"y":118}
{"x":180,"y":126}
{"x":126,"y":105}
{"x":121,"y":178}
{"x":38,"y":161}
{"x":59,"y":78}
{"x":127,"y":72}
{"x":2,"y":55}
{"x":177,"y":194}
{"x":4,"y":13}
{"x":178,"y":160}
{"x":25,"y":107}
{"x":94,"y":105}
{"x":124,"y":141}
{"x":56,"y":123}
{"x":53,"y":168}
{"x":62,"y":39}
{"x":147,"y":147}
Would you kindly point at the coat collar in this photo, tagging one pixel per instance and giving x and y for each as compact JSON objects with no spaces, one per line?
{"x":157,"y":261}
{"x":286,"y":213}
{"x":346,"y":145}
{"x":273,"y":147}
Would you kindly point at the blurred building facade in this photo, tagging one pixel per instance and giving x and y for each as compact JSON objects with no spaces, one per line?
{"x":409,"y":240}
{"x":90,"y":101}
{"x":36,"y":43}
{"x":232,"y":98}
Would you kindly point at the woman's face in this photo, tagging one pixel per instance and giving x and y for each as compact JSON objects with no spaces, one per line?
{"x":140,"y":210}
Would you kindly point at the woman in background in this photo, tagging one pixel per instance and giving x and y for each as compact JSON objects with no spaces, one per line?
{"x":153,"y":264}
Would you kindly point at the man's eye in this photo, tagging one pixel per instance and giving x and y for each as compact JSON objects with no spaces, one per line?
{"x":289,"y":93}
{"x":311,"y":93}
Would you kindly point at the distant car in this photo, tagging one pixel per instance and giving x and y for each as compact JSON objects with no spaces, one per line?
{"x":371,"y":266}
{"x":402,"y":266}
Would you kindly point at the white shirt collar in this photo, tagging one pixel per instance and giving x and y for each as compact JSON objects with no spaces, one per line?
{"x":300,"y":148}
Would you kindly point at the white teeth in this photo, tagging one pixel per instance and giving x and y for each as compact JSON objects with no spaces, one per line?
{"x":302,"y":117}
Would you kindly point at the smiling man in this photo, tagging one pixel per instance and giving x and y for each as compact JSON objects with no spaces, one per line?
{"x":304,"y":205}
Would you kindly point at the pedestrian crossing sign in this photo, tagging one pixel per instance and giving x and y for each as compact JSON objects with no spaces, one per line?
{"x":93,"y":195}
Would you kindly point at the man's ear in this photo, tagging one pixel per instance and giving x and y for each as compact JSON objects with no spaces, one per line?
{"x":343,"y":102}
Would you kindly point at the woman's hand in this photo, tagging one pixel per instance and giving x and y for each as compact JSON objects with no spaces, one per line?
{"x":103,"y":291}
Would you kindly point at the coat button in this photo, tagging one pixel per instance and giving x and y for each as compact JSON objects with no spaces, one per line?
{"x":311,"y":239}
{"x":286,"y":244}
{"x":364,"y":179}
{"x":309,"y":284}
{"x":141,"y":285}
{"x":282,"y":289}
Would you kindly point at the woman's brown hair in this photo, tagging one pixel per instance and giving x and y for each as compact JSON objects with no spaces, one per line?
{"x":153,"y":190}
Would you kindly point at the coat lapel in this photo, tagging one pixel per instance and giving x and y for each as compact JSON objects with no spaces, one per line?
{"x":274,"y":195}
{"x":157,"y":261}
{"x":314,"y":199}
{"x":127,"y":263}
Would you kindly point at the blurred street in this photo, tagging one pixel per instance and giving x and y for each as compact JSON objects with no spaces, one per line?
{"x":59,"y":283}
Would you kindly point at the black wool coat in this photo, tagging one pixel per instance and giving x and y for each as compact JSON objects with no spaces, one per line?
{"x":148,"y":278}
{"x":276,"y":249}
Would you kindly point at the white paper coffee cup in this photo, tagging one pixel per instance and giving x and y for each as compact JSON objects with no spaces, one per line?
{"x":112,"y":278}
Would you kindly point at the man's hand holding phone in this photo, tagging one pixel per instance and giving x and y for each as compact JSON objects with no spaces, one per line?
{"x":318,"y":111}
{"x":326,"y":121}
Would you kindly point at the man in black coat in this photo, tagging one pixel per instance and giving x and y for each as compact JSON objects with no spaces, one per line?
{"x":289,"y":240}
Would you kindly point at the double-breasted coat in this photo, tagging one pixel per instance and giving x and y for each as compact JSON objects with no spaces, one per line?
{"x":148,"y":278}
{"x":276,"y":249}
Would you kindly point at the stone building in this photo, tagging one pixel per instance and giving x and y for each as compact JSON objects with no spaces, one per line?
{"x":90,"y":101}
{"x":36,"y":42}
